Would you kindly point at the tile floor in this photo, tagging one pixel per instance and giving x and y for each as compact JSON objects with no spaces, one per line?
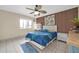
{"x":13,"y":46}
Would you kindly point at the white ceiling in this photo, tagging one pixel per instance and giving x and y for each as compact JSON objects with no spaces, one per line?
{"x":20,"y":9}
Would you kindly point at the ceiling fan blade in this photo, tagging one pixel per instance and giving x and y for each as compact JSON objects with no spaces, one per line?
{"x":43,"y":11}
{"x":30,"y":9}
{"x":31,"y":12}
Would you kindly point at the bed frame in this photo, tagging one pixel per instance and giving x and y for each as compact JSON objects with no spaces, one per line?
{"x":40,"y":46}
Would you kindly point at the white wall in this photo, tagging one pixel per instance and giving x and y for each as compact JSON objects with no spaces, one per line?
{"x":9,"y":25}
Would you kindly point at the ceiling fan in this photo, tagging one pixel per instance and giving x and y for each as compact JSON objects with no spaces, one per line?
{"x":37,"y":10}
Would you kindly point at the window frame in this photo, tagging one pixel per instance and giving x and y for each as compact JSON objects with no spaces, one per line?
{"x":23,"y":23}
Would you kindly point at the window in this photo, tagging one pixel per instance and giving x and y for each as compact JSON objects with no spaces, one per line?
{"x":24,"y":23}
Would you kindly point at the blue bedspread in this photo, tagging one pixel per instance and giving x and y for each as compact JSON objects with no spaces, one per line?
{"x":41,"y":37}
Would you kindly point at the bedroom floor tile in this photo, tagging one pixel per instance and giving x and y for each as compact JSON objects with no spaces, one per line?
{"x":12,"y":46}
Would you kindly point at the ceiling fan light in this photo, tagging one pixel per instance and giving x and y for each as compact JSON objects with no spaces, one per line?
{"x":36,"y":12}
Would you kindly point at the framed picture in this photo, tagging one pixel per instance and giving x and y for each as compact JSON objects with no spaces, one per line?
{"x":50,"y":20}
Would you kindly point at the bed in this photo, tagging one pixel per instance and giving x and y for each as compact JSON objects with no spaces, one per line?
{"x":41,"y":37}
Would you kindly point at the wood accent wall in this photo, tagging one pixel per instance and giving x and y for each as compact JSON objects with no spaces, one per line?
{"x":40,"y":20}
{"x":63,"y":20}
